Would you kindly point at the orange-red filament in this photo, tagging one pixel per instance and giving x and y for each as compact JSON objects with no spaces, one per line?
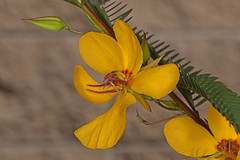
{"x":112,"y":79}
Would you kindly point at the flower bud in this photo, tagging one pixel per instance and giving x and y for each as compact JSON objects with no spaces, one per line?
{"x":48,"y":23}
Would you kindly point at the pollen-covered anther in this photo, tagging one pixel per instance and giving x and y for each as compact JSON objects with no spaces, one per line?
{"x":229,"y":147}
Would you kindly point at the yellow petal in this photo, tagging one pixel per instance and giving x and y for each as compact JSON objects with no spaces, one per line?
{"x":219,"y":126}
{"x":189,"y":138}
{"x":238,"y":139}
{"x":132,"y":51}
{"x":81,"y":82}
{"x":101,"y":52}
{"x":156,"y":82}
{"x":238,"y":156}
{"x":105,"y":131}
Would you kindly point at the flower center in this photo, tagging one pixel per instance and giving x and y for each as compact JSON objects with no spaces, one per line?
{"x":118,"y":80}
{"x":230,"y":148}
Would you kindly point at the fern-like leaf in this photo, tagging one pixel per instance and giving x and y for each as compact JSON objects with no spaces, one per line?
{"x":222,"y":98}
{"x":115,"y":12}
{"x":198,"y":88}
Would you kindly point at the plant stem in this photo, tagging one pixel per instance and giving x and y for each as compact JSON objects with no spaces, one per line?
{"x":192,"y":114}
{"x":73,"y":31}
{"x":97,"y":20}
{"x":158,"y":121}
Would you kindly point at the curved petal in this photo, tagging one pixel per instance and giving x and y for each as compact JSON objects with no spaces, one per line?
{"x":238,"y":139}
{"x":105,"y":131}
{"x":189,"y":138}
{"x":101,"y":52}
{"x":132,"y":51}
{"x":81,"y":82}
{"x":219,"y":126}
{"x":156,"y":82}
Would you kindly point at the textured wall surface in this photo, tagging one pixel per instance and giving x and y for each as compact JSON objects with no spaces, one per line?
{"x":39,"y":106}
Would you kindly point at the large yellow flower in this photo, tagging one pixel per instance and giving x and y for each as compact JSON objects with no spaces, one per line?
{"x":190,"y":139}
{"x":120,"y":61}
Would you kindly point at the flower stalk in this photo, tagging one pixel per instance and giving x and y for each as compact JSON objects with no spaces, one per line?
{"x":76,"y":32}
{"x":191,"y":113}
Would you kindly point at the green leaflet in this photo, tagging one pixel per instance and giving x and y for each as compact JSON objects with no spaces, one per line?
{"x":196,"y":88}
{"x":115,"y":11}
{"x":98,"y":2}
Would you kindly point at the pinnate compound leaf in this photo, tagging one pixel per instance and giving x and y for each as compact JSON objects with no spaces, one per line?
{"x":198,"y":88}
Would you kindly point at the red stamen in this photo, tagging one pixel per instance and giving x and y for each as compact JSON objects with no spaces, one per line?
{"x":108,"y":91}
{"x":99,"y":85}
{"x":229,"y":147}
{"x":112,"y":79}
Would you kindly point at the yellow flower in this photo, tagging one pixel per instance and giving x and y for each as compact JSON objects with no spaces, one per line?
{"x":120,"y":61}
{"x":190,"y":139}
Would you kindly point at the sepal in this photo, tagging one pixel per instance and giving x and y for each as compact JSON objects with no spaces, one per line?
{"x":146,"y":51}
{"x":153,"y":63}
{"x":140,"y":98}
{"x":172,"y":105}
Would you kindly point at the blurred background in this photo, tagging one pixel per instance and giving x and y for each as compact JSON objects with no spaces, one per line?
{"x":39,"y":107}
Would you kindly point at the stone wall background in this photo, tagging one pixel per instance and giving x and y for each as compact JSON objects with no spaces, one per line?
{"x":39,"y":106}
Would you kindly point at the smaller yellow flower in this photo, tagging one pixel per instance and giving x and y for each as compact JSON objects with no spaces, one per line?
{"x":189,"y":138}
{"x":119,"y":61}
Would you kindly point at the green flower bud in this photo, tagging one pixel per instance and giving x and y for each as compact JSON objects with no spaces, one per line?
{"x":48,"y":23}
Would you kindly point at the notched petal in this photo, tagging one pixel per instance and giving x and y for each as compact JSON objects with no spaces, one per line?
{"x":105,"y":131}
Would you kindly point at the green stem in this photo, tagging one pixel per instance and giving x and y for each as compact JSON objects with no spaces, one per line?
{"x":192,"y":114}
{"x":73,"y":31}
{"x":158,"y":121}
{"x":97,"y":20}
